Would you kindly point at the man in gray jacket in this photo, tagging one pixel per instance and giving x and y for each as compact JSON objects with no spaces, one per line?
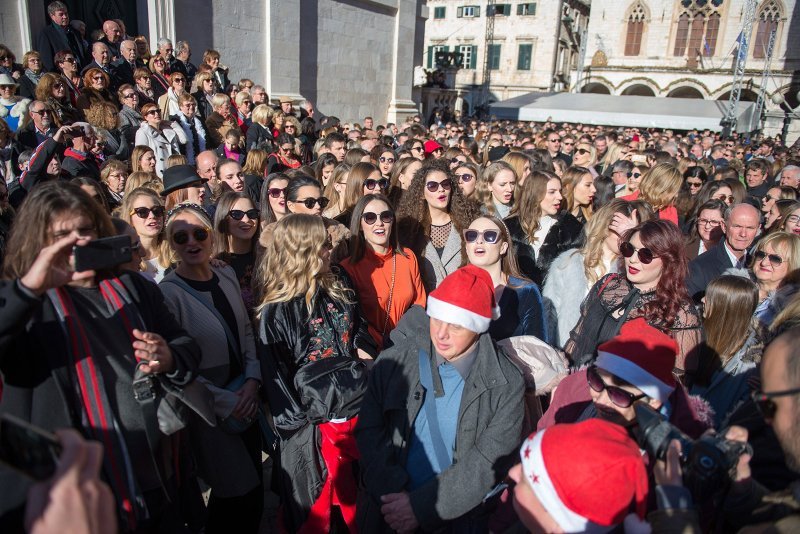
{"x":442,"y":414}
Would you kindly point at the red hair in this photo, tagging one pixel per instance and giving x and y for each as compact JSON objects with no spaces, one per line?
{"x":666,"y":241}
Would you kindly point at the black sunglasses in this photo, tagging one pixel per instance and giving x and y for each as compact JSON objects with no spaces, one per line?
{"x":386,"y":160}
{"x":646,"y":255}
{"x":636,"y":175}
{"x":766,"y":405}
{"x":446,"y":184}
{"x":583,"y":151}
{"x":456,"y":161}
{"x":275,"y":192}
{"x":620,"y":397}
{"x":370,"y":184}
{"x":370,"y":217}
{"x":143,"y":213}
{"x":310,"y":201}
{"x":774,"y":259}
{"x":181,"y":237}
{"x":464,"y":178}
{"x":238,"y":215}
{"x":489,"y":236}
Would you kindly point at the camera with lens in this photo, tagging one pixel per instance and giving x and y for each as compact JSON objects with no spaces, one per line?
{"x":708,"y":463}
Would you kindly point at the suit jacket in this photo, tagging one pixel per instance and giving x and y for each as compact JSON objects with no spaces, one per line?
{"x":705,"y":268}
{"x":95,"y":65}
{"x":52,"y":40}
{"x":123,"y":73}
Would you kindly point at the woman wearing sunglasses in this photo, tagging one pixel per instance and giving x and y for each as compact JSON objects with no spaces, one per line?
{"x":273,"y":198}
{"x":432,"y":216}
{"x":96,"y":85}
{"x":539,"y":228}
{"x":652,"y":286}
{"x":384,"y":158}
{"x":158,"y":135}
{"x":731,"y":349}
{"x":284,"y":157}
{"x":467,"y":176}
{"x":309,"y":321}
{"x":488,"y":246}
{"x":142,"y":208}
{"x":634,"y":177}
{"x":236,"y":229}
{"x":207,"y":302}
{"x":385,"y":276}
{"x":775,"y":256}
{"x":364,"y":179}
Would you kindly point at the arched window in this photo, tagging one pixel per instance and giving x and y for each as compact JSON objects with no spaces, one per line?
{"x":698,"y":28}
{"x":633,"y":39}
{"x":769,"y":17}
{"x":682,"y":37}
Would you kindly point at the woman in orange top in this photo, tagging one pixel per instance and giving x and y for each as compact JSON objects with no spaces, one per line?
{"x":385,"y":275}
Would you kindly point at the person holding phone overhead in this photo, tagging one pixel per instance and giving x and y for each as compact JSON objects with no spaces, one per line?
{"x":57,"y":323}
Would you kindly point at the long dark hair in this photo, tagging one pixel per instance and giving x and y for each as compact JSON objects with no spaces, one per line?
{"x":664,"y":238}
{"x":358,"y":243}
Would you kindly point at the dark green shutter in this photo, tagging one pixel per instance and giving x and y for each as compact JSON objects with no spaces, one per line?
{"x":473,"y":58}
{"x":430,"y":57}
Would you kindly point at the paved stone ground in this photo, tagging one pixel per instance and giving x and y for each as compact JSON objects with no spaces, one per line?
{"x":269,"y":521}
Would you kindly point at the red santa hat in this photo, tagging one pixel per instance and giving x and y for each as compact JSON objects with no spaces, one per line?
{"x":642,"y":356}
{"x":465,"y":298}
{"x":588,"y":476}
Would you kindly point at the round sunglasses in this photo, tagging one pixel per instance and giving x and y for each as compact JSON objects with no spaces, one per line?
{"x":238,"y":215}
{"x":464,"y":178}
{"x":369,"y":217}
{"x":144,"y":213}
{"x":489,"y":236}
{"x":627,"y":250}
{"x":370,"y":184}
{"x":446,"y":184}
{"x":311,"y":201}
{"x":181,"y":237}
{"x":617,"y":395}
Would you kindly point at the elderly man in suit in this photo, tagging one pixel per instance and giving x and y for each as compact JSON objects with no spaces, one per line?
{"x":58,"y":36}
{"x":740,"y":224}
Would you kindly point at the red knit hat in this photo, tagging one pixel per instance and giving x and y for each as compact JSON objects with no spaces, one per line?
{"x":587,"y":475}
{"x":465,"y":298}
{"x":643,"y":356}
{"x":431,"y":145}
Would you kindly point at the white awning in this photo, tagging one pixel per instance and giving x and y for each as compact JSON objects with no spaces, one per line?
{"x":612,"y":110}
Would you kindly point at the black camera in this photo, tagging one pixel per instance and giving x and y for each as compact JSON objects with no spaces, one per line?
{"x":709,"y":463}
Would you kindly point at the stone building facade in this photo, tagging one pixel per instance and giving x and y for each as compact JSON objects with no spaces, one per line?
{"x":352,"y":58}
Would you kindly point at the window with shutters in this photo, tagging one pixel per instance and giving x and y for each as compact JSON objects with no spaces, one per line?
{"x":698,"y":27}
{"x":769,"y":17}
{"x":468,"y":56}
{"x":527,"y":9}
{"x":439,"y":12}
{"x":502,"y":10}
{"x":468,"y":11}
{"x":524,"y":56}
{"x":494,"y":56}
{"x":432,"y":51}
{"x":633,"y":39}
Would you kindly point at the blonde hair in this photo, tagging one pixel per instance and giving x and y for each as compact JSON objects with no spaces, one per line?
{"x":786,"y":241}
{"x":596,"y":230}
{"x":517,"y":160}
{"x":219,"y":99}
{"x":262,"y":113}
{"x":292,"y":265}
{"x":485,"y":179}
{"x":592,"y":151}
{"x":162,"y":250}
{"x":341,"y":170}
{"x":660,"y":185}
{"x":140,"y":179}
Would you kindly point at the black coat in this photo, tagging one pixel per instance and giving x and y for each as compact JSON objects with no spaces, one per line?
{"x":705,"y":268}
{"x":204,"y":108}
{"x":52,"y":40}
{"x":259,"y":137}
{"x":565,"y":234}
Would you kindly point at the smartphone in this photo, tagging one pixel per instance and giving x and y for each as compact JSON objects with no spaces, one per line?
{"x":27,"y":448}
{"x":637,"y":158}
{"x":102,"y":253}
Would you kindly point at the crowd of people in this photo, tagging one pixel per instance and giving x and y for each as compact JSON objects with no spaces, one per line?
{"x":460,"y":326}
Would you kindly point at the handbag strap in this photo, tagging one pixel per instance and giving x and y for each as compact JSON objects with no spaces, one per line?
{"x":391,"y":294}
{"x":234,"y":340}
{"x":443,"y":457}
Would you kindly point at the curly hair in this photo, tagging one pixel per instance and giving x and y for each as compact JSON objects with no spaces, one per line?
{"x":292,"y":265}
{"x":666,"y":241}
{"x":414,"y":216}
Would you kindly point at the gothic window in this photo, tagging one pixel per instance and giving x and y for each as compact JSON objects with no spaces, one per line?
{"x":698,"y":28}
{"x":633,"y":39}
{"x":768,"y":19}
{"x":683,"y":34}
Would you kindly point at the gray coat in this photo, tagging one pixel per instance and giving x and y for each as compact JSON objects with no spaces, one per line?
{"x":489,"y":429}
{"x":434,"y":268}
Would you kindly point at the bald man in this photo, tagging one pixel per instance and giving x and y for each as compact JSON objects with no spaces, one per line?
{"x":127,"y":63}
{"x":112,"y":38}
{"x":206,"y":164}
{"x":101,"y":59}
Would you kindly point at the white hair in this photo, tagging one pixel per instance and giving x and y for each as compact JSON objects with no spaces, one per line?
{"x":163,"y":41}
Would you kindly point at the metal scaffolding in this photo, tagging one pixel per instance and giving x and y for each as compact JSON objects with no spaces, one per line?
{"x":487,"y":71}
{"x":729,"y":120}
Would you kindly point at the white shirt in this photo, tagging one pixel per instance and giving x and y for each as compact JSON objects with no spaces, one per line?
{"x":545,"y":224}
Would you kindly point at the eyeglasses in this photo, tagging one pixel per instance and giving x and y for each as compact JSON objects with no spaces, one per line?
{"x":129,"y":95}
{"x":456,"y":161}
{"x":646,"y":255}
{"x":631,"y":174}
{"x":42,"y":112}
{"x":446,"y":184}
{"x":583,"y":151}
{"x":794,"y":219}
{"x":386,"y":160}
{"x":275,"y":192}
{"x":287,"y":148}
{"x":417,"y":148}
{"x":464,"y":178}
{"x":154,"y":112}
{"x":181,"y":237}
{"x":98,"y":78}
{"x":617,"y":395}
{"x":311,"y":201}
{"x":489,"y":236}
{"x":238,"y":215}
{"x":728,"y":198}
{"x":369,"y":217}
{"x":144,"y":213}
{"x":179,"y":80}
{"x":370,"y":184}
{"x":69,"y":60}
{"x":766,"y":405}
{"x":554,"y":140}
{"x":708,"y":222}
{"x":694,"y":185}
{"x":774,"y":259}
{"x":568,"y":143}
{"x":58,"y":85}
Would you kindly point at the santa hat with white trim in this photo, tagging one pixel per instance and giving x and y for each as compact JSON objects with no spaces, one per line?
{"x":466,"y":298}
{"x":589,"y":476}
{"x":642,"y":356}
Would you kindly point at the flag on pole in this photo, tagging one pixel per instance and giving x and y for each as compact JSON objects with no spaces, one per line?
{"x":706,"y":48}
{"x":740,"y":46}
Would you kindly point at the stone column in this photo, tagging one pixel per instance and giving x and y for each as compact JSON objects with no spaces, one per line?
{"x":401,"y":104}
{"x":282,"y":49}
{"x":161,"y":20}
